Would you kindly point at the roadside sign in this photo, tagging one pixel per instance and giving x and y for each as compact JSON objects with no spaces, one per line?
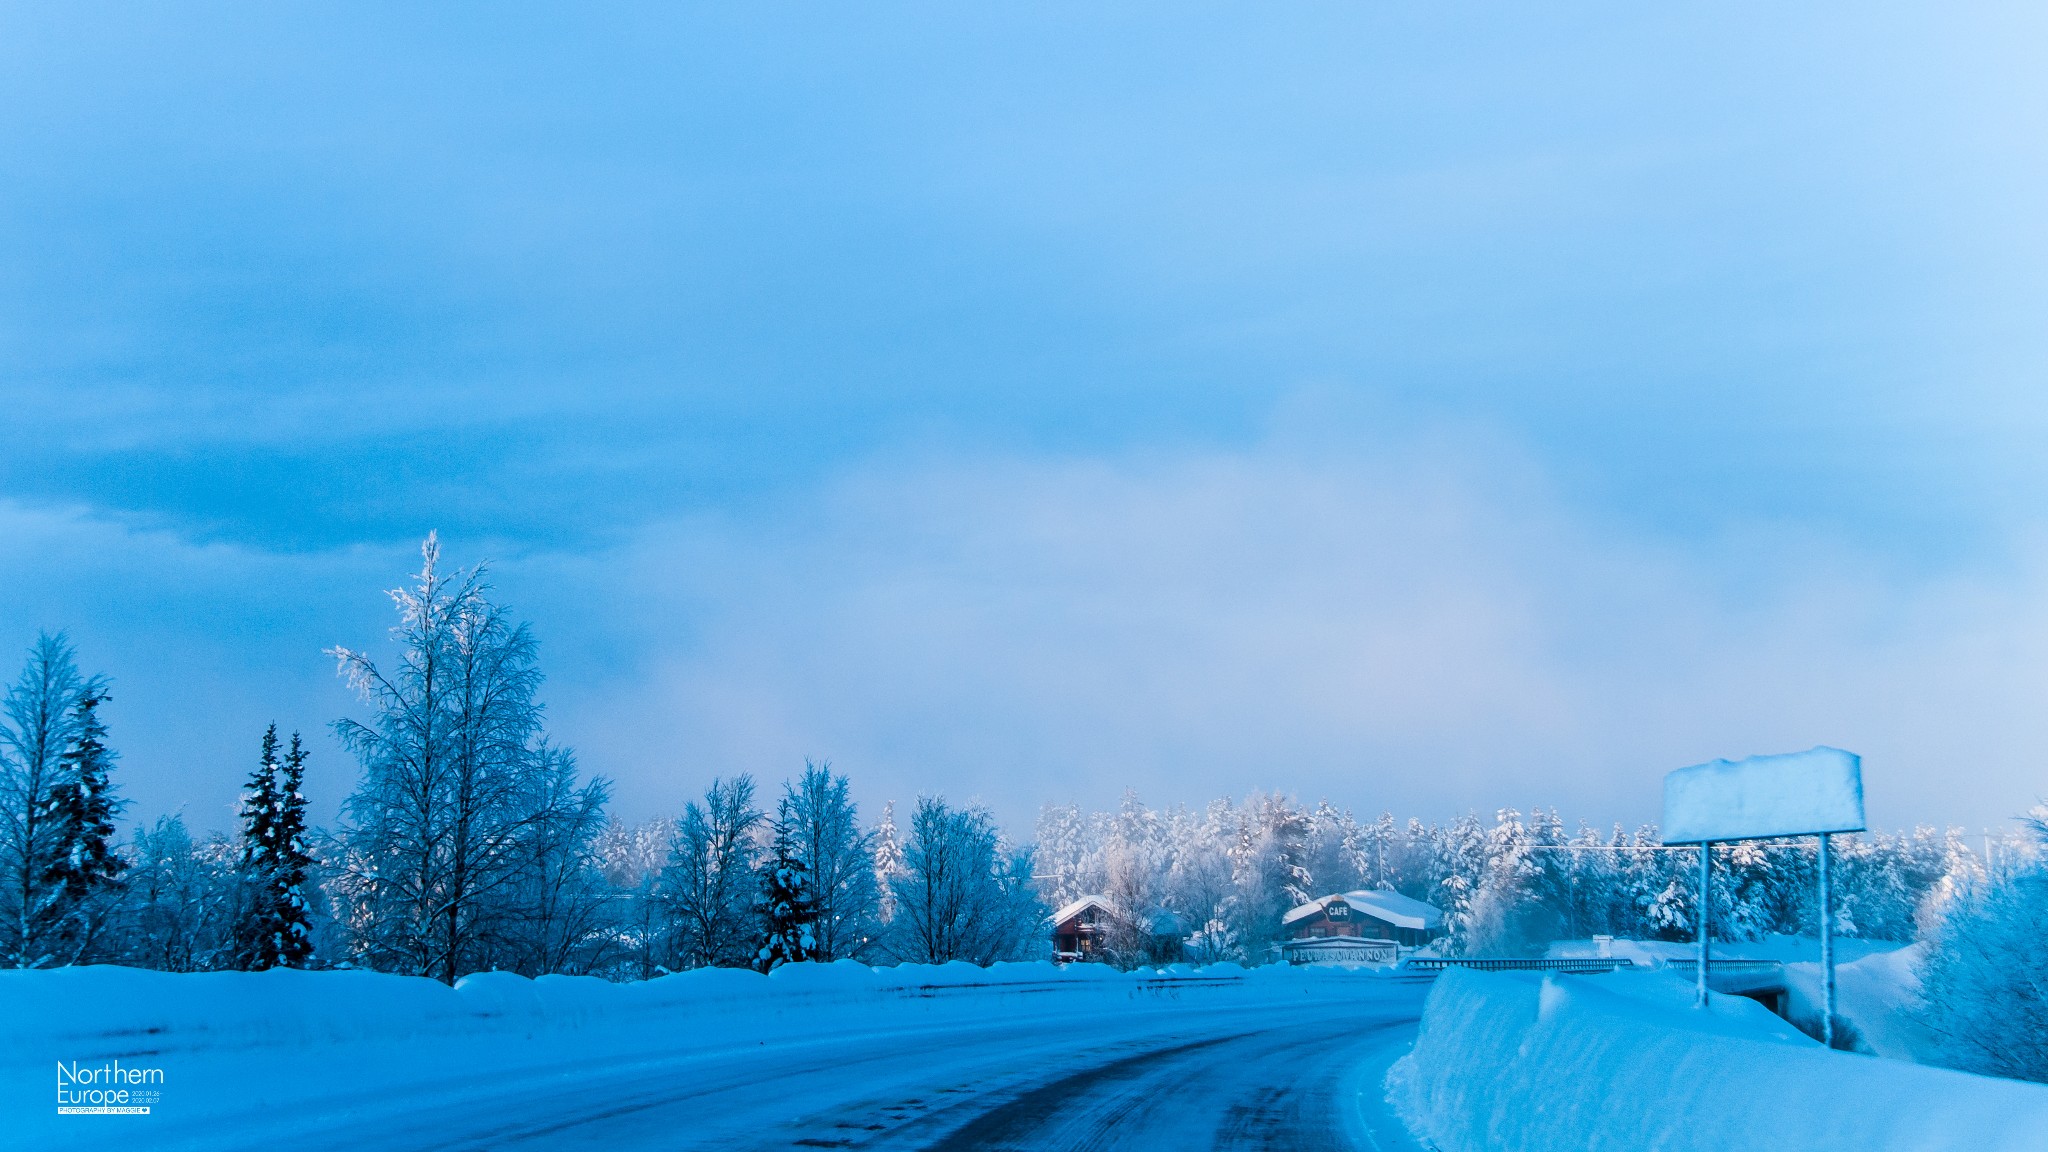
{"x":1817,"y":792}
{"x":1793,"y":794}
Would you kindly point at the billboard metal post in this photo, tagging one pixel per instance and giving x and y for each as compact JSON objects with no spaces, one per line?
{"x":1706,"y":914}
{"x":1766,"y":798}
{"x":1827,"y":948}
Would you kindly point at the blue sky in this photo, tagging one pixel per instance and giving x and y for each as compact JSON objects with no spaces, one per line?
{"x":1427,"y":406}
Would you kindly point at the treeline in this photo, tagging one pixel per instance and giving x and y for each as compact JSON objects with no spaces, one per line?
{"x":1229,"y":872}
{"x":472,"y":842}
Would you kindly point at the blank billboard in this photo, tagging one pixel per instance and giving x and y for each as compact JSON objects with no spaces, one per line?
{"x":1793,"y":794}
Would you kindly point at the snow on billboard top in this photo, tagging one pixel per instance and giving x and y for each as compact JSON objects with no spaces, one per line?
{"x":1794,"y":794}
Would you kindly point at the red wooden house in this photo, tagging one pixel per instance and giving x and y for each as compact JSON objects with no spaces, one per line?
{"x":1358,"y":928}
{"x":1080,"y":931}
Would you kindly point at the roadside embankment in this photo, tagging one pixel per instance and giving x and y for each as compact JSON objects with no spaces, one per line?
{"x":1513,"y":1062}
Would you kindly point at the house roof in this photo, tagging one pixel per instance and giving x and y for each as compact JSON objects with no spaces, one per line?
{"x":1082,"y":905}
{"x":1390,"y":907}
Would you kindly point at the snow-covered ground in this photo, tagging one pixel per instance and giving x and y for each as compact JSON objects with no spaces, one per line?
{"x":1877,"y":984}
{"x":1023,"y":1055}
{"x":1877,"y":994}
{"x":1514,"y":1062}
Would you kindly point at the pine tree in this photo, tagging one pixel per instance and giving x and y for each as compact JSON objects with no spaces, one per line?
{"x":788,"y":906}
{"x":82,"y":808}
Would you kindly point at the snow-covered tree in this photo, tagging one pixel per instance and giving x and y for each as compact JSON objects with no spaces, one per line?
{"x":1137,"y":860}
{"x":1381,"y":852}
{"x":1334,"y":851}
{"x":1455,"y":859}
{"x":1267,"y":850}
{"x":436,"y":839}
{"x":1510,"y":913}
{"x":629,"y":857}
{"x":274,"y":928}
{"x":1200,"y":885}
{"x":85,"y":873}
{"x":182,"y":900}
{"x":963,"y":894}
{"x":556,"y":917}
{"x":1982,"y":982}
{"x":789,"y":914}
{"x":708,"y":885}
{"x":822,"y":820}
{"x":888,"y":862}
{"x":38,"y":724}
{"x":1069,"y":855}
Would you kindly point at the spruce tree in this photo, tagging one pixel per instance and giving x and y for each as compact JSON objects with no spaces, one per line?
{"x":259,"y":805}
{"x":294,"y":858}
{"x":257,"y":927}
{"x":273,"y":931}
{"x":788,"y":906}
{"x":888,"y":852}
{"x":82,"y":808}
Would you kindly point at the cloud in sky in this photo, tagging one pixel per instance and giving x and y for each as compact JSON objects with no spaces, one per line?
{"x":306,"y":277}
{"x":1422,"y":626}
{"x":1429,"y":406}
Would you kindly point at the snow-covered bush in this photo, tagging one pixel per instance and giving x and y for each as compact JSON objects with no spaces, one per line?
{"x":1985,"y":984}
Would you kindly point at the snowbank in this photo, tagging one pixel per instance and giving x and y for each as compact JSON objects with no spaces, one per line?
{"x":102,"y":1011}
{"x":1879,"y":997}
{"x":1517,"y":1063}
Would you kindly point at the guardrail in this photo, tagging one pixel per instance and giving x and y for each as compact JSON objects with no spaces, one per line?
{"x":1569,"y":964}
{"x":1717,"y":965}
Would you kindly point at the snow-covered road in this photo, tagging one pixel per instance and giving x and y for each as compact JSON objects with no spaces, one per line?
{"x":953,"y":1057}
{"x":1303,"y":1077}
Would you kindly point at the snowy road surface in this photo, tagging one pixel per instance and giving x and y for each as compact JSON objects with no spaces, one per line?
{"x":1289,"y":1074}
{"x":1300,"y":1078}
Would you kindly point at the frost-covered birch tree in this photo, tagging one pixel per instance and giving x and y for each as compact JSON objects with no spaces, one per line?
{"x":38,"y":724}
{"x":457,"y":782}
{"x":963,"y":894}
{"x":1985,"y":979}
{"x":183,"y":900}
{"x":558,"y":920}
{"x":819,"y":817}
{"x":708,"y":885}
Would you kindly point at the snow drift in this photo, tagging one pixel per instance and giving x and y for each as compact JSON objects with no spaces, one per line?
{"x":1513,"y":1062}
